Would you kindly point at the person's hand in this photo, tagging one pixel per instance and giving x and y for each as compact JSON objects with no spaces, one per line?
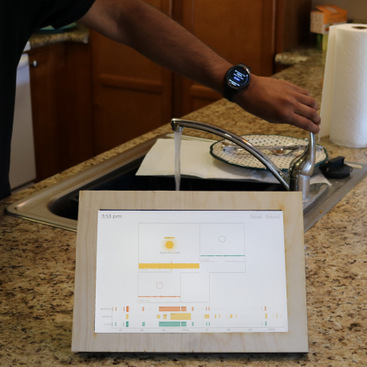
{"x":279,"y":101}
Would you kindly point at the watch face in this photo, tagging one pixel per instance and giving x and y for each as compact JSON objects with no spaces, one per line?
{"x":238,"y":77}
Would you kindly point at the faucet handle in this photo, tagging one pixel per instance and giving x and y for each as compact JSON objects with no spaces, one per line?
{"x":301,"y":168}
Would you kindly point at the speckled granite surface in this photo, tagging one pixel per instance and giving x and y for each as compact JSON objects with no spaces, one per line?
{"x":297,"y":56}
{"x":77,"y":34}
{"x":37,"y":271}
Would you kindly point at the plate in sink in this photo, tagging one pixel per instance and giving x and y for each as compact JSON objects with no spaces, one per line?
{"x":226,"y":151}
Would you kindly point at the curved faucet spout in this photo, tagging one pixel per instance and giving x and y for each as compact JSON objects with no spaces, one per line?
{"x":179,"y":124}
{"x":300,"y":170}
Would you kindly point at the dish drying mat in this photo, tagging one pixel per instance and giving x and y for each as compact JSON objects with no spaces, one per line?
{"x":281,"y":157}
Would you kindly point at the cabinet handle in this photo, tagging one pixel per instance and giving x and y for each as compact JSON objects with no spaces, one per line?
{"x":34,"y":63}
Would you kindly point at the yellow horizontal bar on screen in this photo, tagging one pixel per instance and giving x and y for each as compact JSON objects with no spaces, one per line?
{"x":169,"y":266}
{"x":180,"y":316}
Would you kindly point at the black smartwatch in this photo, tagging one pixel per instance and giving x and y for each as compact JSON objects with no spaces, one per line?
{"x":237,"y":78}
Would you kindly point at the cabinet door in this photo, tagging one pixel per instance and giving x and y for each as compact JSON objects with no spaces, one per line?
{"x":292,"y":24}
{"x":240,"y":30}
{"x":61,"y":106}
{"x":132,"y":95}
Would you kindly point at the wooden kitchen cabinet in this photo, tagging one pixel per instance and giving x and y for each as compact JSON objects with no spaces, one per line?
{"x":132,"y":95}
{"x":61,"y":106}
{"x":243,"y":31}
{"x":87,"y":99}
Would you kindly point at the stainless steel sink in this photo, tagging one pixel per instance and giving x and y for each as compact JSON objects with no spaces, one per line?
{"x":58,"y":205}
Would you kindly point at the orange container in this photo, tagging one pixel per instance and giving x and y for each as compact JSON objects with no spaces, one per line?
{"x":326,"y":15}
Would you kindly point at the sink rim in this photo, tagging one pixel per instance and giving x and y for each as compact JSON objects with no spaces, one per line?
{"x":33,"y":208}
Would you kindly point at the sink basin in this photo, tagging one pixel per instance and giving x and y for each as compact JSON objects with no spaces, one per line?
{"x":58,"y":205}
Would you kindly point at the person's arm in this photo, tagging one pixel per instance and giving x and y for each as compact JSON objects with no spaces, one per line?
{"x":156,"y":36}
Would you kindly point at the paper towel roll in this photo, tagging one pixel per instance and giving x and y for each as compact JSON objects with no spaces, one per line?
{"x":344,"y":95}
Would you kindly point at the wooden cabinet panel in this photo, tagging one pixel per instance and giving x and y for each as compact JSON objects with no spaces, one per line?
{"x":292,"y":24}
{"x":245,"y":31}
{"x":61,"y":106}
{"x":131,"y":94}
{"x":240,"y":30}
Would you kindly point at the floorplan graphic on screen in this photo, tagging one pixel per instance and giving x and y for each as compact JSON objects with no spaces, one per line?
{"x":190,"y":271}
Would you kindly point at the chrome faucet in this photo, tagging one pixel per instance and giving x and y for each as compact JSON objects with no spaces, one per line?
{"x":300,"y":170}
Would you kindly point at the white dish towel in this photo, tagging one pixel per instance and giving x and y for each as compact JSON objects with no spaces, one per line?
{"x":196,"y":161}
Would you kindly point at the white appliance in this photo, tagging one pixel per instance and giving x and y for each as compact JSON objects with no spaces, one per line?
{"x":22,"y":158}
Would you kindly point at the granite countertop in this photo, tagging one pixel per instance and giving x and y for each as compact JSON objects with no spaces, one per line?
{"x":37,"y":270}
{"x":78,"y":34}
{"x":298,"y":55}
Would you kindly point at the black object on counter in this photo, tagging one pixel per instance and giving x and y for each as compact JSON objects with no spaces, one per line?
{"x":336,"y":168}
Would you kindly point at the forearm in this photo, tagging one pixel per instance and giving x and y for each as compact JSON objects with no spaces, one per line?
{"x":159,"y":38}
{"x":155,"y":35}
